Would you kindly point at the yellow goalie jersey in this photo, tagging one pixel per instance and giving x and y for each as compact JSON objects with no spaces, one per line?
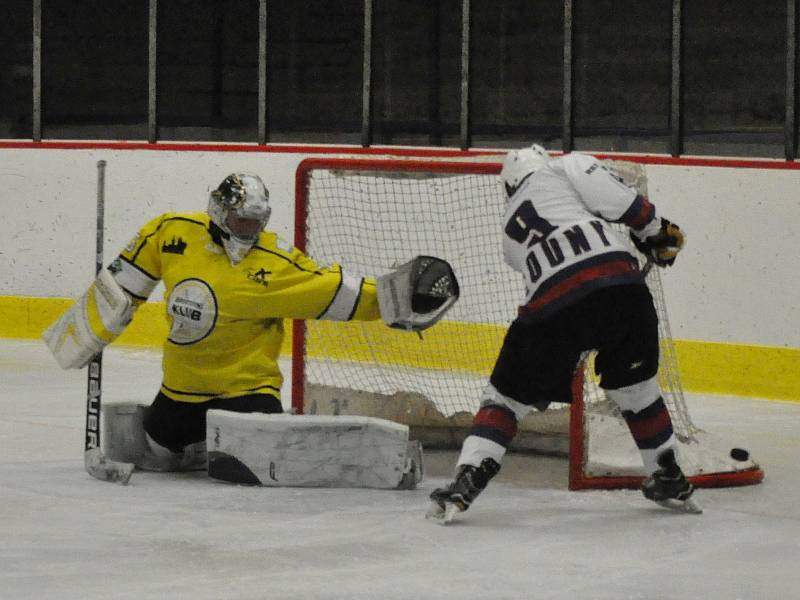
{"x":226,"y":322}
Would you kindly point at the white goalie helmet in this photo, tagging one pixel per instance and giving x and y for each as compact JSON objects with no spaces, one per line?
{"x":518,"y":164}
{"x":240,"y":208}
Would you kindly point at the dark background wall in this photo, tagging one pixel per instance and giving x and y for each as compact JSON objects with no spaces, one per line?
{"x":95,"y":72}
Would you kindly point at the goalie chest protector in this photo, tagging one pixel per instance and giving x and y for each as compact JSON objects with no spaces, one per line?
{"x":305,"y":450}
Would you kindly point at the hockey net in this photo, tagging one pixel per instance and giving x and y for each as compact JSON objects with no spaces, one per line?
{"x":372,"y":215}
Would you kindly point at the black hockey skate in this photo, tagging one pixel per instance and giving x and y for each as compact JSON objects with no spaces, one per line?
{"x":669,"y":487}
{"x":457,"y":497}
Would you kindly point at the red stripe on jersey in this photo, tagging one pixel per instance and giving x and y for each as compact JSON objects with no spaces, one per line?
{"x":650,"y":427}
{"x":498,"y":418}
{"x":581,"y":278}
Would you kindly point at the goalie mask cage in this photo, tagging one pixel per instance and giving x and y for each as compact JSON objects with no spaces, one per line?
{"x":370,"y":215}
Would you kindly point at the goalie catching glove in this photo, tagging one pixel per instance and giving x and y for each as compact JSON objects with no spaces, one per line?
{"x":417,"y":294}
{"x":663,"y":246}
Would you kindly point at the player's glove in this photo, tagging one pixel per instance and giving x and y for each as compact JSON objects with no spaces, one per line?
{"x":470,"y":481}
{"x":662,"y":247}
{"x":418,"y":293}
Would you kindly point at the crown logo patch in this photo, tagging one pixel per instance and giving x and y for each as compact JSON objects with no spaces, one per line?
{"x":175,"y":246}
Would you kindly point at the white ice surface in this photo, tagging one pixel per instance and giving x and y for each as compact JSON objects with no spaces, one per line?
{"x":64,"y":535}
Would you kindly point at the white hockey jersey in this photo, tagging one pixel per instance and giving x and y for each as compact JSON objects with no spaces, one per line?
{"x":557,"y":232}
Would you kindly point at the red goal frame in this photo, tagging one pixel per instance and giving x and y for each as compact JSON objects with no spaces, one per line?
{"x":578,"y":480}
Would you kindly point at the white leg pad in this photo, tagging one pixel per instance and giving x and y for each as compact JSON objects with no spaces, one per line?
{"x":125,"y":440}
{"x":311,"y":451}
{"x":123,"y":431}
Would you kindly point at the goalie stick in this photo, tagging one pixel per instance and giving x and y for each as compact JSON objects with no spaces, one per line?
{"x":96,"y":464}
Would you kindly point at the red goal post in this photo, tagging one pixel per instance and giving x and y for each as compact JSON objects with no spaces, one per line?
{"x":369,"y":214}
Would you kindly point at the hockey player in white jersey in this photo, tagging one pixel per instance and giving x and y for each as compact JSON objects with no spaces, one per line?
{"x":583,"y":291}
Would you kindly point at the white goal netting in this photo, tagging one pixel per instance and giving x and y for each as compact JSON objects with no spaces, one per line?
{"x":371,"y":215}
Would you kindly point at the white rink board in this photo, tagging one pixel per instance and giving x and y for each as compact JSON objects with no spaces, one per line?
{"x":734,"y":282}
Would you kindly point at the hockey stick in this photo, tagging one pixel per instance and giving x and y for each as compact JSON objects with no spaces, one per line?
{"x":96,"y":464}
{"x":648,"y":264}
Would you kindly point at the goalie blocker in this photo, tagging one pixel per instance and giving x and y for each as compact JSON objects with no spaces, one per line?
{"x":93,"y":322}
{"x":418,"y":293}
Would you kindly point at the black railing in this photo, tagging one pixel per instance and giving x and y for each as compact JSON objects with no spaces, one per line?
{"x":665,"y":76}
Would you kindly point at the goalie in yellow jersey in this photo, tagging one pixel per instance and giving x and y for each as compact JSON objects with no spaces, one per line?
{"x":229,"y":285}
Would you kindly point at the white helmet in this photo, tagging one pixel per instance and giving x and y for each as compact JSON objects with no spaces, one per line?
{"x":518,"y":164}
{"x":240,"y":208}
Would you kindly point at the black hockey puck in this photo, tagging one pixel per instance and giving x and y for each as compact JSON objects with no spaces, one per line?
{"x":739,"y":454}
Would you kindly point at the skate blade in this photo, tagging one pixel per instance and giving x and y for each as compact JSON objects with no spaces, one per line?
{"x":688,"y":506}
{"x":442,"y":515}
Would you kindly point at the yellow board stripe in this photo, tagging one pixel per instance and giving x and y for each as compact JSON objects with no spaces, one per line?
{"x":26,"y":318}
{"x":434,"y":350}
{"x":706,"y":367}
{"x":739,"y":369}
